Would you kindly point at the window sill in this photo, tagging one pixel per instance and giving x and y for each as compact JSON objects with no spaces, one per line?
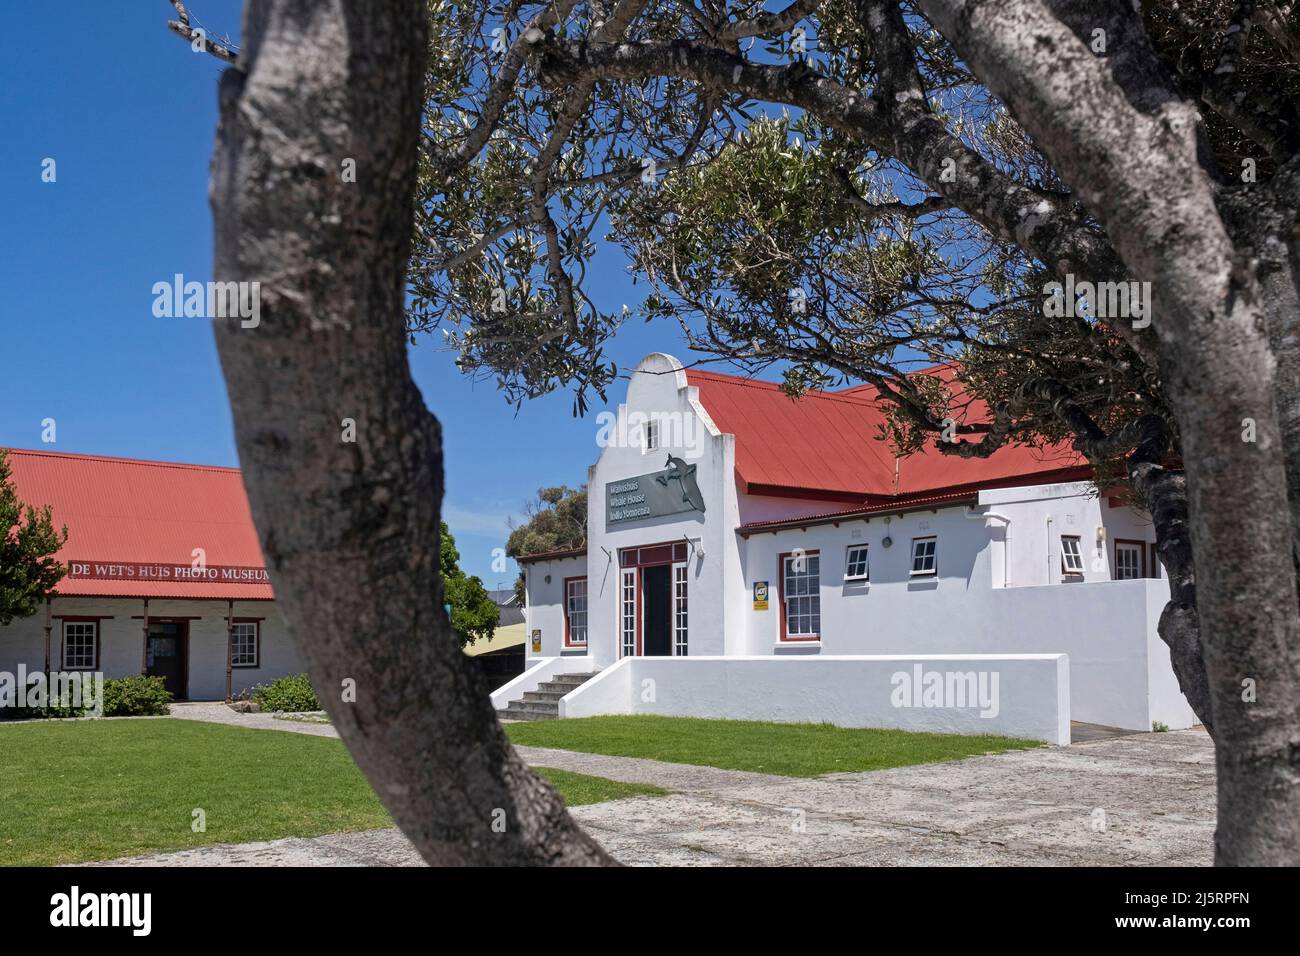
{"x":809,"y":643}
{"x":857,"y":580}
{"x":573,"y":652}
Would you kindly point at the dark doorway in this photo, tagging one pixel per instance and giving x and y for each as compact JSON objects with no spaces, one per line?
{"x":656,"y":605}
{"x":165,"y":655}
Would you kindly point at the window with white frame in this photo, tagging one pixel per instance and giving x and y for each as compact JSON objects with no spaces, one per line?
{"x":79,"y":642}
{"x":856,"y":567}
{"x":1071,"y":554}
{"x":575,"y":611}
{"x":243,"y":643}
{"x":627,"y":611}
{"x":923,"y":555}
{"x":1128,"y":561}
{"x":801,"y":595}
{"x":651,"y":433}
{"x":680,"y":609}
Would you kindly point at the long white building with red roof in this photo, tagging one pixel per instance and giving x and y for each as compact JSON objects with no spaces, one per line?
{"x":754,"y":556}
{"x":165,"y":577}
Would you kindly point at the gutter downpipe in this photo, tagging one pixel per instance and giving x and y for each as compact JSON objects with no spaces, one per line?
{"x":1006,"y":547}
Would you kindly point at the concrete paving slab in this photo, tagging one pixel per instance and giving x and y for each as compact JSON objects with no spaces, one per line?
{"x":215,"y":712}
{"x":1135,"y":800}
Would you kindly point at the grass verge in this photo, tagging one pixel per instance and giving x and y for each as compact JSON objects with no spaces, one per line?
{"x":75,"y":791}
{"x":790,"y":750}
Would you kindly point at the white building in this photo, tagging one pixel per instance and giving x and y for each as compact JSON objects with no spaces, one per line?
{"x":165,"y":577}
{"x":754,"y":556}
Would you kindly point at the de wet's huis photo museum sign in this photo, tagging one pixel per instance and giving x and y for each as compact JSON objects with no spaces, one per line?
{"x":128,"y":571}
{"x":671,"y":491}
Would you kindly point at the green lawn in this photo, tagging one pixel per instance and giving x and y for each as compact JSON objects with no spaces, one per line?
{"x":791,"y":750}
{"x":93,"y":790}
{"x":579,"y":788}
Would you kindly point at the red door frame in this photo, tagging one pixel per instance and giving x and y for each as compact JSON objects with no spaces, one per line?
{"x":652,"y":561}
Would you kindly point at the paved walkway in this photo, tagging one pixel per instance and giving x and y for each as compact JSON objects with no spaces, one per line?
{"x":1140,"y":799}
{"x":215,"y":712}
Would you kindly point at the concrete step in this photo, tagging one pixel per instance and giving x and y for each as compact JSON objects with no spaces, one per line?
{"x":548,"y":707}
{"x":520,"y":715}
{"x":544,"y":703}
{"x":546,"y":693}
{"x":573,"y":680}
{"x":558,"y":688}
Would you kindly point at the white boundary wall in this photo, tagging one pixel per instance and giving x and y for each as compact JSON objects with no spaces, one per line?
{"x":1032,"y":698}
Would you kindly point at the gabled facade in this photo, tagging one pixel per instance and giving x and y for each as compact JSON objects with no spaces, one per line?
{"x":727,"y":520}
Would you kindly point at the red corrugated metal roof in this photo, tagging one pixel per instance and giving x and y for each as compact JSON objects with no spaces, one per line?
{"x":829,"y":444}
{"x":556,"y":555}
{"x":125,"y":511}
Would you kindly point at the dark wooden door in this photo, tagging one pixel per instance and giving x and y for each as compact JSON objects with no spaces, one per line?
{"x":165,"y":656}
{"x":656,"y":603}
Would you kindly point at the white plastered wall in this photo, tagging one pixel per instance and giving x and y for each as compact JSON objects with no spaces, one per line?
{"x":122,"y":640}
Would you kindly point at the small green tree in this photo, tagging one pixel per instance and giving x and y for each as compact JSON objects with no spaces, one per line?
{"x":556,"y":521}
{"x":473,"y":612}
{"x":28,"y":543}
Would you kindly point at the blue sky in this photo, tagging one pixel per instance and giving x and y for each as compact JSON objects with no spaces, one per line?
{"x":127,"y":112}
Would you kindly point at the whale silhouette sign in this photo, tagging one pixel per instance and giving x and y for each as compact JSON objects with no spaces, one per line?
{"x":674,"y":490}
{"x":680,"y":472}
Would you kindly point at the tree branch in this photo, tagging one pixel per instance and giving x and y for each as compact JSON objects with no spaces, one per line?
{"x":182,"y":28}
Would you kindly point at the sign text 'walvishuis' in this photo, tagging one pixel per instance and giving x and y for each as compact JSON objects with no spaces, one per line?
{"x":671,"y":491}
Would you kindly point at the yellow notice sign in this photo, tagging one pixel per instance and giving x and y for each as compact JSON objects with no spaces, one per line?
{"x":760,"y":595}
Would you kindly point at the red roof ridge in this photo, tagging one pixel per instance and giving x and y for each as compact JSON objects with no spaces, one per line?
{"x":84,"y":456}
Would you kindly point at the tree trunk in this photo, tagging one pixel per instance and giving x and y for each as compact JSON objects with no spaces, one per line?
{"x":1130,"y":148}
{"x":349,"y":525}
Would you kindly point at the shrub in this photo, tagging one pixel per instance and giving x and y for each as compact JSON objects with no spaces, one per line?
{"x":53,"y":708}
{"x":40,"y":713}
{"x":135,"y":696}
{"x":293,"y":694}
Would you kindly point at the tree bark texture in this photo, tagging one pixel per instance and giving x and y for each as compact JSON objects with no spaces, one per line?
{"x":349,"y":528}
{"x":1130,"y":147}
